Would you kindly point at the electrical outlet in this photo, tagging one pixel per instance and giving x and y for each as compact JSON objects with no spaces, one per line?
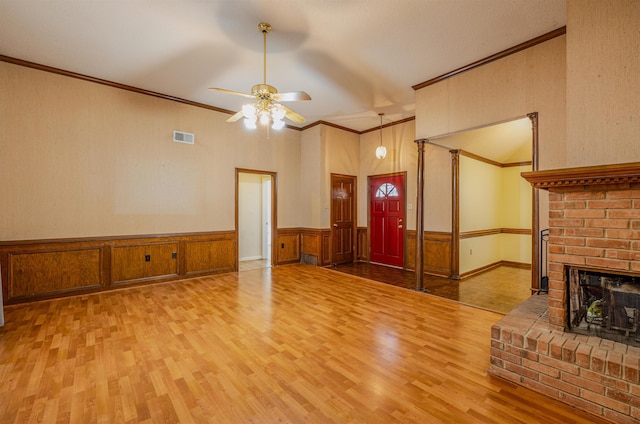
{"x":174,"y":255}
{"x":147,"y":258}
{"x":282,"y":246}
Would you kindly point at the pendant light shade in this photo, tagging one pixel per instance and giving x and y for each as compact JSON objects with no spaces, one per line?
{"x":381,"y":151}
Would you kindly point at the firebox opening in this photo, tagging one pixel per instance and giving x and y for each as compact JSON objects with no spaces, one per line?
{"x":604,"y":304}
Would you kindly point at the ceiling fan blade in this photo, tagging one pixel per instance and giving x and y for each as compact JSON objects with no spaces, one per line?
{"x":293,"y":96}
{"x":237,"y":93}
{"x":293,"y":116}
{"x":236,"y":116}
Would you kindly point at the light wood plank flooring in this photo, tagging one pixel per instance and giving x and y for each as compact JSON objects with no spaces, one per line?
{"x":291,"y":344}
{"x":254,"y":264}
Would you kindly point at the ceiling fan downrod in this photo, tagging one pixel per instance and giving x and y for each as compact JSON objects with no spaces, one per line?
{"x":265,"y":28}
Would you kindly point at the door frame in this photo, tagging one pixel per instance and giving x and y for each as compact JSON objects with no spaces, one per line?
{"x":274,"y":211}
{"x":354,"y":205}
{"x":403,"y":174}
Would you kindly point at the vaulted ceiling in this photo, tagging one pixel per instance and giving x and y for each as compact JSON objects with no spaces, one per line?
{"x":355,"y":58}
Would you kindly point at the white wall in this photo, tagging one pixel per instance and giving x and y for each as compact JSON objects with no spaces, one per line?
{"x":250,"y":205}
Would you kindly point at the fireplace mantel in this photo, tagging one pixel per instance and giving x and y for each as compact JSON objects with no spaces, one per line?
{"x":571,"y":178}
{"x":594,"y":233}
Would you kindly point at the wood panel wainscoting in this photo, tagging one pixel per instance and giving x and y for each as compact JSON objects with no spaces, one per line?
{"x":316,"y":243}
{"x":288,"y":245}
{"x":437,"y":252}
{"x":39,"y":269}
{"x":362,"y":244}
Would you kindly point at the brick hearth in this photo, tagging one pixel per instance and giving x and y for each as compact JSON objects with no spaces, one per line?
{"x":593,"y":374}
{"x":594,"y":224}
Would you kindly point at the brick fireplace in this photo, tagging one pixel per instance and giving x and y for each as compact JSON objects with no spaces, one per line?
{"x":594,"y":231}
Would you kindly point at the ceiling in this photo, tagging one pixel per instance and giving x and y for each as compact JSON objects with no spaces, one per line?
{"x":505,"y":142}
{"x":355,"y":58}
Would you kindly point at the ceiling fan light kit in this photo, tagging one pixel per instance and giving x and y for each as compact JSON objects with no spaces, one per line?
{"x":266,"y":108}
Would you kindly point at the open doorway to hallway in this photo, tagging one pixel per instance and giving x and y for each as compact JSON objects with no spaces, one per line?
{"x":255,"y":219}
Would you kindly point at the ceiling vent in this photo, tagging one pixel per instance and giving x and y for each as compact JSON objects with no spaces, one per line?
{"x":183,"y":137}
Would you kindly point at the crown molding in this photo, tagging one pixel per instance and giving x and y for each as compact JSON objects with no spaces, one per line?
{"x":582,"y":177}
{"x":515,"y":49}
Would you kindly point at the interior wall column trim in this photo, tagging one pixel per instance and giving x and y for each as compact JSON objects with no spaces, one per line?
{"x":455,"y":214}
{"x":536,"y":258}
{"x":420,"y":217}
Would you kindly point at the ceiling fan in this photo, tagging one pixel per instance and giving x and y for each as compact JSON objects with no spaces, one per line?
{"x":265,"y":108}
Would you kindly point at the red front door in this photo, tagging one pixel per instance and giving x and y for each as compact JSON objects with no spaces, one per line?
{"x":386,"y":220}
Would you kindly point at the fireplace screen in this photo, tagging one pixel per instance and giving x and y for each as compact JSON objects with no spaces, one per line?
{"x":604,"y":305}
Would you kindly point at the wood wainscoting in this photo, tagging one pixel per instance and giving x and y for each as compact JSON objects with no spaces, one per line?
{"x":313,"y":243}
{"x":437,"y":252}
{"x":362,"y":244}
{"x":39,"y":269}
{"x":288,"y":245}
{"x":317,"y":242}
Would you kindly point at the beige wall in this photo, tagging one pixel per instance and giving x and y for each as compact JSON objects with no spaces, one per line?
{"x":401,"y":157}
{"x":312,"y":160}
{"x":533,"y":80}
{"x":324,"y":150}
{"x":79,"y":159}
{"x":342,"y":156}
{"x":603,"y":84}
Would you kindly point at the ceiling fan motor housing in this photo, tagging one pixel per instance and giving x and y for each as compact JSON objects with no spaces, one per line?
{"x":264,"y":27}
{"x":263,"y":91}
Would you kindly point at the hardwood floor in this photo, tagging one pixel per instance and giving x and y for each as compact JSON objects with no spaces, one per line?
{"x":254,"y":264}
{"x":499,"y":289}
{"x":291,"y":344}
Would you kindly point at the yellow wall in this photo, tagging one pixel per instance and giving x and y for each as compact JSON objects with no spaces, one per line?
{"x":515,"y":211}
{"x":80,"y":159}
{"x":481,"y":196}
{"x":603,"y":84}
{"x":492,"y":197}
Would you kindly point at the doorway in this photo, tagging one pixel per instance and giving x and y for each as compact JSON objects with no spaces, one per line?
{"x":343,"y":205}
{"x":386,"y":219}
{"x":494,"y":211}
{"x":255,"y":218}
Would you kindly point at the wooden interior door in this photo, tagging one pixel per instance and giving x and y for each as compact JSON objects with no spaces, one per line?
{"x":386,"y":219}
{"x":342,"y":217}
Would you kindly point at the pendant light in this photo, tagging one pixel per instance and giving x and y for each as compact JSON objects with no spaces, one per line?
{"x":381,"y":151}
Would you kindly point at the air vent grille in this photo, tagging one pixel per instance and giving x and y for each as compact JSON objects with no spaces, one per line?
{"x":183,"y":137}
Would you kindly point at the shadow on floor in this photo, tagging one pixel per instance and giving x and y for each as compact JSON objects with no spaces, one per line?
{"x":500,"y":289}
